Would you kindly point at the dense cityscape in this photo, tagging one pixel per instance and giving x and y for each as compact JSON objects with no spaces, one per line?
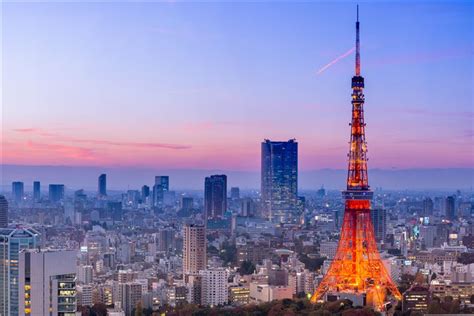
{"x":149,"y":247}
{"x":222,"y":250}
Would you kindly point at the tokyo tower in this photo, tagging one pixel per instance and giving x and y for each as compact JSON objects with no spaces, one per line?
{"x":357,"y":268}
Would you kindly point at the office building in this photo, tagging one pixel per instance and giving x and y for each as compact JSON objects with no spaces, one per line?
{"x":234,"y":193}
{"x":416,"y":299}
{"x":145,"y":193}
{"x":186,"y":203}
{"x":102,"y":186}
{"x":18,"y":191}
{"x":279,"y":179}
{"x":12,"y":241}
{"x":36,"y":191}
{"x":85,"y":274}
{"x":428,"y":207}
{"x":3,"y":212}
{"x":247,"y":207}
{"x":56,"y":192}
{"x":215,"y":288}
{"x":162,"y":185}
{"x":379,"y":221}
{"x":47,"y":282}
{"x":194,"y":248}
{"x":450,"y":208}
{"x":215,"y":196}
{"x":130,"y":295}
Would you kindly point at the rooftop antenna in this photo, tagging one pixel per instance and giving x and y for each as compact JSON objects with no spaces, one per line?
{"x":357,"y":66}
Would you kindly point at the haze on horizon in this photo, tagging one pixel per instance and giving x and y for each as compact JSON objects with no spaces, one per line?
{"x":174,"y":85}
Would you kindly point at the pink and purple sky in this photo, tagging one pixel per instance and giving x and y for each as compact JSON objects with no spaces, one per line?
{"x":200,"y":85}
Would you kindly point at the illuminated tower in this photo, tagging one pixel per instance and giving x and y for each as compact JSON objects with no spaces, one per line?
{"x":357,"y":268}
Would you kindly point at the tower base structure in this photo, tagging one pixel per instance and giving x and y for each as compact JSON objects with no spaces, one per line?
{"x":357,"y":271}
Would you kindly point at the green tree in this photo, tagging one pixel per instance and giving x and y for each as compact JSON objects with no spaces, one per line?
{"x":246,"y":268}
{"x":139,"y":309}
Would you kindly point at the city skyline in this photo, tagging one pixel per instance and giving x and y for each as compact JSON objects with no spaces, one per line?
{"x":166,"y":118}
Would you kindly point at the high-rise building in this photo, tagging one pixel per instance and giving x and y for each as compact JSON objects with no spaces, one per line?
{"x":215,"y":287}
{"x":379,"y":221}
{"x":162,"y":185}
{"x":428,"y":207}
{"x":85,"y":274}
{"x":194,"y":248}
{"x":235,"y":193}
{"x":3,"y":212}
{"x":56,"y":192}
{"x":102,"y":186}
{"x":215,"y":196}
{"x":450,"y":208}
{"x":36,"y":190}
{"x":247,"y":207}
{"x":145,"y":193}
{"x":279,"y":186}
{"x":130,"y":295}
{"x":12,"y":241}
{"x":18,"y":191}
{"x":166,"y":239}
{"x":47,"y":282}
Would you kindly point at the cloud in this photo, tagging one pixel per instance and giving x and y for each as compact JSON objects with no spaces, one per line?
{"x":63,"y":150}
{"x":66,"y":139}
{"x":335,"y":61}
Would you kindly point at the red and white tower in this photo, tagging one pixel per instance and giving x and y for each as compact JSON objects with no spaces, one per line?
{"x":357,"y":268}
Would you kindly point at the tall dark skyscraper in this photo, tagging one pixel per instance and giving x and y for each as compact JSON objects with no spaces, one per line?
{"x":36,"y":190}
{"x":3,"y":212}
{"x":215,"y":196}
{"x":18,"y":191}
{"x":279,"y":179}
{"x":379,"y":221}
{"x":145,"y":193}
{"x":162,"y":185}
{"x":102,"y":189}
{"x":450,"y":208}
{"x":56,"y":192}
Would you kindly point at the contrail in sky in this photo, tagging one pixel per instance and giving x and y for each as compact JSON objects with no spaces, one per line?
{"x":350,"y":51}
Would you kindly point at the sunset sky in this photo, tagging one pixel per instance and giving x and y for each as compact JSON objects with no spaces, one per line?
{"x":200,"y":85}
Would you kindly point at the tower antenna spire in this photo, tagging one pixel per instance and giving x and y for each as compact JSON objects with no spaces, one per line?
{"x":357,"y":66}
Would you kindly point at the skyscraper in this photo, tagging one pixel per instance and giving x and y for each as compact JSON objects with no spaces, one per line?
{"x":102,"y":186}
{"x":3,"y":212}
{"x":428,"y":207}
{"x":379,"y":221}
{"x":47,"y":282}
{"x":450,"y":208}
{"x":279,"y":186}
{"x":56,"y":192}
{"x":215,"y":196}
{"x":162,"y":185}
{"x":18,"y":191}
{"x":12,"y":241}
{"x":36,"y":190}
{"x":194,"y":248}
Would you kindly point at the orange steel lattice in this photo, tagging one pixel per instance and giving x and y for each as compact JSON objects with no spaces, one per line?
{"x":357,"y":267}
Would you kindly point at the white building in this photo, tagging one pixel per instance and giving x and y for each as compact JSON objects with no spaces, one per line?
{"x":84,"y":274}
{"x":261,"y":293}
{"x":47,"y":280}
{"x":84,"y":295}
{"x":214,"y":286}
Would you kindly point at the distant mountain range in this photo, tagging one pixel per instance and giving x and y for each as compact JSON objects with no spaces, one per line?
{"x":121,"y":178}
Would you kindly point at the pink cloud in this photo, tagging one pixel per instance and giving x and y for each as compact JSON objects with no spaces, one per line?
{"x":60,"y":138}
